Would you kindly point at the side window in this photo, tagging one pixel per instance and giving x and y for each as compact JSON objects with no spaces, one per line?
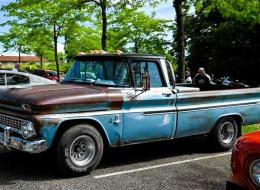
{"x":13,"y":79}
{"x":137,"y":71}
{"x":2,"y":79}
{"x":121,"y":77}
{"x":152,"y":68}
{"x":170,"y":74}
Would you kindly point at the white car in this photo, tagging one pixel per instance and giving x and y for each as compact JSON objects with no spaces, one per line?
{"x":12,"y":79}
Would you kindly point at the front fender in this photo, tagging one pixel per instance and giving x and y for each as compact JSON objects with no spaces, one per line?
{"x":111,"y":130}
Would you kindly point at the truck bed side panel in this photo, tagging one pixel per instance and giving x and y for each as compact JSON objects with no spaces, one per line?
{"x":199,"y":112}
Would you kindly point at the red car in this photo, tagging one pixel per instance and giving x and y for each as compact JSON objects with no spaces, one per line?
{"x":245,"y":163}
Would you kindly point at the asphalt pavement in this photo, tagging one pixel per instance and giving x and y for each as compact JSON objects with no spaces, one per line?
{"x":179,"y":164}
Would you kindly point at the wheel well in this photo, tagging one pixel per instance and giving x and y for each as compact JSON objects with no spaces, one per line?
{"x":64,"y":126}
{"x":239,"y":121}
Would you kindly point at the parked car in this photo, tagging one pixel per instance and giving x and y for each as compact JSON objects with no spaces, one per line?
{"x":118,"y":100}
{"x":11,"y":79}
{"x":245,"y":163}
{"x":49,"y":74}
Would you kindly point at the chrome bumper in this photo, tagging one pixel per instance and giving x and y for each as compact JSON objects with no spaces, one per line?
{"x":10,"y":142}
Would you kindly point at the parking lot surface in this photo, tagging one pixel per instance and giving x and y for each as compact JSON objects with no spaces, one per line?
{"x":180,"y":164}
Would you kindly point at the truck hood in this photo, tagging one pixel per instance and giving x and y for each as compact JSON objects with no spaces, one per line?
{"x":63,"y":98}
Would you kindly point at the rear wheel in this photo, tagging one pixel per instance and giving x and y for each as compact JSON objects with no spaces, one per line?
{"x":79,"y":150}
{"x":224,"y":134}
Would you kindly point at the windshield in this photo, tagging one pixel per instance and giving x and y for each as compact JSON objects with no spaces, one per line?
{"x":104,"y":72}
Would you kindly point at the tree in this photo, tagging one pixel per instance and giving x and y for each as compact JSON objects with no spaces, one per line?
{"x":223,"y":43}
{"x":104,"y":5}
{"x":180,"y":39}
{"x":40,"y":44}
{"x":49,"y":17}
{"x":139,"y":32}
{"x":81,"y":39}
{"x":242,"y":10}
{"x":14,"y":39}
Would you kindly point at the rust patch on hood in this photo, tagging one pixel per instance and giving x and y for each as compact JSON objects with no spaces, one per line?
{"x":115,"y":99}
{"x":62,"y":98}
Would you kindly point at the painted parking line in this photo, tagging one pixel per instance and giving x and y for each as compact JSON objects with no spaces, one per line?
{"x":161,"y":165}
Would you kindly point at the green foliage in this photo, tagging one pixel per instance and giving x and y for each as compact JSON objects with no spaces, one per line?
{"x":7,"y":66}
{"x":30,"y":66}
{"x":246,"y":11}
{"x":15,"y":39}
{"x":225,"y":45}
{"x":134,"y":31}
{"x":250,"y":128}
{"x":37,"y":25}
{"x":45,"y":20}
{"x":126,"y":26}
{"x":51,"y":66}
{"x":222,"y":35}
{"x":83,"y":39}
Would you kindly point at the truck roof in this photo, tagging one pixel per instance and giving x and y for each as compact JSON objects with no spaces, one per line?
{"x":124,"y":55}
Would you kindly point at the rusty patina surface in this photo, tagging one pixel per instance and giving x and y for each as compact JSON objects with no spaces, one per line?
{"x":65,"y":98}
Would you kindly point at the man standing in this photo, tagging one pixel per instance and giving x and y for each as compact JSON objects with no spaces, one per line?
{"x":17,"y":68}
{"x":201,"y":78}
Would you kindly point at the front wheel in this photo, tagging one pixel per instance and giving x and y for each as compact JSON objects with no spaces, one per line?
{"x":79,"y":150}
{"x":224,"y":134}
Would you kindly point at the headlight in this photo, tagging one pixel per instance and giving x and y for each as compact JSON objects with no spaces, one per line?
{"x":27,"y":130}
{"x":255,"y":172}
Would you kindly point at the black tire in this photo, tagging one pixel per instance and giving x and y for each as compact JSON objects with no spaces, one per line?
{"x":224,"y":134}
{"x":82,"y":140}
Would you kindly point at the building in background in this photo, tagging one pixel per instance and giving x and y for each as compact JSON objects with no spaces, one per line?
{"x":10,"y":59}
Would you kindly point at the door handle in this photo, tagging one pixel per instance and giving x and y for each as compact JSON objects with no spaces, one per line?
{"x":117,"y":120}
{"x":167,"y":94}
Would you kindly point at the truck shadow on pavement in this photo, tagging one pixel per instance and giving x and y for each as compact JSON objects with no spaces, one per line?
{"x":17,"y":166}
{"x":153,"y":151}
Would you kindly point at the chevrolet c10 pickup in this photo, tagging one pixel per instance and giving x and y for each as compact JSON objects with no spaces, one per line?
{"x":116,"y":100}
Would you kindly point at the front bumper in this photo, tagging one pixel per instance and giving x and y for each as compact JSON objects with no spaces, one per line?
{"x":10,"y":142}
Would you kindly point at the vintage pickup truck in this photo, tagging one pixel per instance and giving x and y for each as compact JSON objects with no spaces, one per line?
{"x":116,"y":100}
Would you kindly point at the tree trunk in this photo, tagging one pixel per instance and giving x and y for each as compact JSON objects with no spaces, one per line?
{"x":41,"y":58}
{"x":19,"y":55}
{"x":55,"y":40}
{"x":180,"y":40}
{"x":104,"y":24}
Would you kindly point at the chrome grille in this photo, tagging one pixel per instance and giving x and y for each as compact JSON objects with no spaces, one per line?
{"x":11,"y":121}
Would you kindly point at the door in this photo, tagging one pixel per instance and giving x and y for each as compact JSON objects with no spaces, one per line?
{"x":149,"y":115}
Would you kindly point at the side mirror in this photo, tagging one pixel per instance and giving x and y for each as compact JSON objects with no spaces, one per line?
{"x":146,"y":81}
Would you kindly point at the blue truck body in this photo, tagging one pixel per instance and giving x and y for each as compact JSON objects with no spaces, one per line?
{"x":182,"y":115}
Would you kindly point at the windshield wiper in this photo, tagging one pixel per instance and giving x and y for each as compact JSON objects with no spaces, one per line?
{"x":91,"y":81}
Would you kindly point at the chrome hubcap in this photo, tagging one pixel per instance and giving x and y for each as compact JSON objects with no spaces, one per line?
{"x":82,"y":150}
{"x":227,"y":132}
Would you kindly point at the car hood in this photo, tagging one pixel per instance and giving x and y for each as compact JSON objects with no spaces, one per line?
{"x":61,"y":98}
{"x":249,"y":142}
